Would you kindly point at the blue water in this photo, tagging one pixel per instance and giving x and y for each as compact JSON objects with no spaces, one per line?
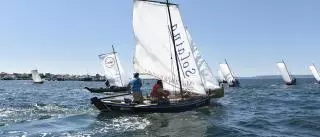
{"x":257,"y":108}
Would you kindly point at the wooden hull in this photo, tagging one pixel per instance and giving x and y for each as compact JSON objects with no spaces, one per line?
{"x":168,"y":107}
{"x":103,"y":90}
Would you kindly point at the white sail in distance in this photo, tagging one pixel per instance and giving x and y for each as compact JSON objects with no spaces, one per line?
{"x":208,"y":79}
{"x":113,"y":69}
{"x":284,"y":72}
{"x":154,"y":54}
{"x":221,"y":77}
{"x":315,"y":72}
{"x":35,"y":76}
{"x":226,"y":72}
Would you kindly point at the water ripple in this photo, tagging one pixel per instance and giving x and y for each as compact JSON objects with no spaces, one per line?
{"x":258,"y":108}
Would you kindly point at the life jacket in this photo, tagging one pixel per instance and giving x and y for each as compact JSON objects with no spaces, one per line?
{"x":154,"y":92}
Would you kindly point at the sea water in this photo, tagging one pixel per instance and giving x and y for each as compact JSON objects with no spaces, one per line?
{"x":260,"y":107}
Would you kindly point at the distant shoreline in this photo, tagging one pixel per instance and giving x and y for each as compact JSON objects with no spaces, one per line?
{"x":51,"y":77}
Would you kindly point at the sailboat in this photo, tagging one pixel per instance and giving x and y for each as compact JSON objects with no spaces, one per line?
{"x":229,"y":75}
{"x":315,"y":72}
{"x":163,"y":51}
{"x":211,"y":84}
{"x":36,"y":77}
{"x":116,"y":78}
{"x":286,"y":76}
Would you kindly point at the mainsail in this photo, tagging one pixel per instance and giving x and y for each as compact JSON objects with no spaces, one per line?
{"x":226,"y":72}
{"x":284,"y":72}
{"x":113,"y":69}
{"x":221,"y":77}
{"x":35,"y":76}
{"x":315,"y":72}
{"x":154,"y":53}
{"x":208,"y":79}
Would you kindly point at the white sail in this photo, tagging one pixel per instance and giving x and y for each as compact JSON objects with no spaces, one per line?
{"x":227,"y":74}
{"x":221,"y":77}
{"x":284,"y":72}
{"x":35,"y":76}
{"x":314,"y":72}
{"x":154,"y":53}
{"x":208,"y":79}
{"x":110,"y":63}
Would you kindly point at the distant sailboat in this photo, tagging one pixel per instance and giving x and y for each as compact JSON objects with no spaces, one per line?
{"x":315,"y":72}
{"x":113,"y":69}
{"x":228,"y":75}
{"x":36,"y":77}
{"x":116,"y":77}
{"x":287,"y":78}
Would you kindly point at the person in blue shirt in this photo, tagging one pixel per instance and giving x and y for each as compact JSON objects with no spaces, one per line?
{"x":136,"y":85}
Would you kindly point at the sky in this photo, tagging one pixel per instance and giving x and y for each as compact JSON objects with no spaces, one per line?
{"x":65,"y":36}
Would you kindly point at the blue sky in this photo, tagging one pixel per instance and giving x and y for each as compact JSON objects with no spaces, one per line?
{"x":65,"y":36}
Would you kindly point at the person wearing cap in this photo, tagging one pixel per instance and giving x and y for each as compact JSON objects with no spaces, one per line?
{"x":136,"y":85}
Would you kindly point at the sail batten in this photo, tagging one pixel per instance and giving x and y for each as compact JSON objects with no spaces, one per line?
{"x":35,"y":76}
{"x":154,"y":53}
{"x":284,"y":72}
{"x":113,"y":69}
{"x":315,"y":72}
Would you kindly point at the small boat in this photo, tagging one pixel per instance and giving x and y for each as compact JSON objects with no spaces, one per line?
{"x":163,"y":51}
{"x":114,"y":73}
{"x":286,"y":76}
{"x":229,"y":75}
{"x":315,"y":72}
{"x":110,"y":89}
{"x":36,"y":77}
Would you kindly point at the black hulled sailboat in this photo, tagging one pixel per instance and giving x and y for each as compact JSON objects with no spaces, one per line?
{"x":163,"y":51}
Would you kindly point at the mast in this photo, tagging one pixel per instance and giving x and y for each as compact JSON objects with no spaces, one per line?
{"x":114,"y":53}
{"x":174,"y":46}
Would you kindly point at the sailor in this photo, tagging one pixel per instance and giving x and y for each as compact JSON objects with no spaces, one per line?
{"x":158,"y":93}
{"x":136,"y":85}
{"x":107,"y":83}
